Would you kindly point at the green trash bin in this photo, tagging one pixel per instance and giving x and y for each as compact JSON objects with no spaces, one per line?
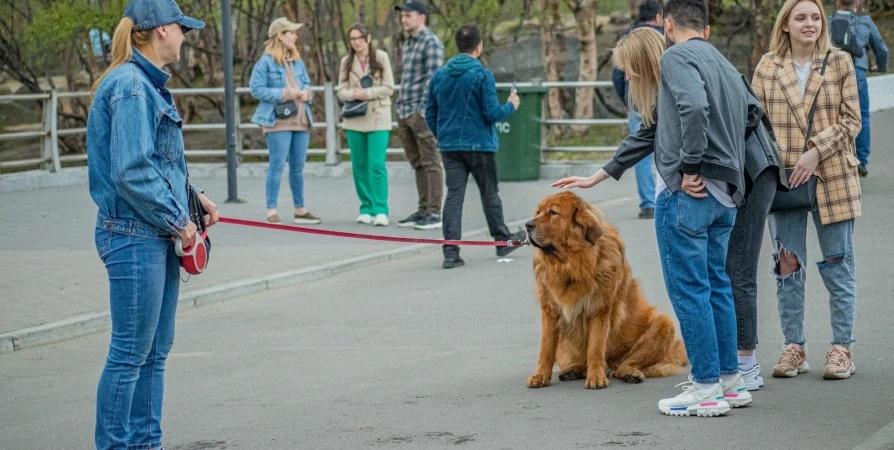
{"x":518,"y":157}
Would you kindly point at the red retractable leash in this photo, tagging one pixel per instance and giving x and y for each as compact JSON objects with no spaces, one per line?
{"x":368,"y":237}
{"x":194,"y":259}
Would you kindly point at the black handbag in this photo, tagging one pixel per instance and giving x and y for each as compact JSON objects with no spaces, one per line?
{"x":357,"y":108}
{"x":285,"y":110}
{"x":803,"y":197}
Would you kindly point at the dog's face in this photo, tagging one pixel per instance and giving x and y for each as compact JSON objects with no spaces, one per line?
{"x":562,"y":222}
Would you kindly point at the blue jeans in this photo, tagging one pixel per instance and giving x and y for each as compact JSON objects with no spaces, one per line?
{"x":144,"y":283}
{"x":645,"y":180}
{"x":863,"y":139}
{"x":282,"y":145}
{"x":693,"y":235}
{"x":839,"y":273}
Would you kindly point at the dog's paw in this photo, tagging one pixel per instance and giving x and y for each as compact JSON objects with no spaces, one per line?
{"x":571,"y":375}
{"x":538,"y":381}
{"x":630,"y":376}
{"x":599,"y":381}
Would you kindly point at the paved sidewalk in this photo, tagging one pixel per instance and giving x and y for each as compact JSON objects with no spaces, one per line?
{"x":51,"y":271}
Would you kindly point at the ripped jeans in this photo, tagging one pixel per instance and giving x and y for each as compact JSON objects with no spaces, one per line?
{"x":837,"y":268}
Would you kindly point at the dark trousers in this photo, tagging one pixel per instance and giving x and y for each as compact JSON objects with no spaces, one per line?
{"x":483,"y":168}
{"x":421,"y":149}
{"x":744,"y":252}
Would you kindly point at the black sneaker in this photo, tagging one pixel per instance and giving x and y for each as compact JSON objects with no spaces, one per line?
{"x":520,"y":235}
{"x":429,"y":222}
{"x":647,"y":213}
{"x":452,"y":261}
{"x":861,"y":169}
{"x":410,"y":222}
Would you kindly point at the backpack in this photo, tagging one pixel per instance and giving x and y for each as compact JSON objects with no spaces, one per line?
{"x":843,"y":31}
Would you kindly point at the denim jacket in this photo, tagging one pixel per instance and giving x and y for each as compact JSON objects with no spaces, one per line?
{"x":462,"y":107}
{"x":136,"y":167}
{"x":268,"y":79}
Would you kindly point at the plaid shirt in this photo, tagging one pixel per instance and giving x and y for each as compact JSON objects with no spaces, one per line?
{"x":836,"y":124}
{"x":423,"y":55}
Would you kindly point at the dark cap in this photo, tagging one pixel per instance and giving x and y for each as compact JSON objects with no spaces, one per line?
{"x":148,"y":14}
{"x":413,"y":5}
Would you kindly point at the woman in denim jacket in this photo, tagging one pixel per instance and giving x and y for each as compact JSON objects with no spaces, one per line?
{"x":138,"y":180}
{"x":278,"y":77}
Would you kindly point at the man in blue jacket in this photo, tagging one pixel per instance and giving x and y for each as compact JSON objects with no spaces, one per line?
{"x":651,"y":14}
{"x":462,"y":111}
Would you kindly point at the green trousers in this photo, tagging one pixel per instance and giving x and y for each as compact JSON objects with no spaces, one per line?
{"x":370,"y":175}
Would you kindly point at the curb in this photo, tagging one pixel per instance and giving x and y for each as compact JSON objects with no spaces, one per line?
{"x":99,"y":321}
{"x":880,"y":440}
{"x":75,"y":176}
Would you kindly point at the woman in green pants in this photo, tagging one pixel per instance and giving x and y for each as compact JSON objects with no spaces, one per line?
{"x":365,"y":76}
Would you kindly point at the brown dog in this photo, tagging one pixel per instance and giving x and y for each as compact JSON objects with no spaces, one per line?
{"x":594,"y":318}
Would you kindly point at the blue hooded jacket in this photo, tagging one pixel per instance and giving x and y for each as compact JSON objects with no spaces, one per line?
{"x":462,"y":107}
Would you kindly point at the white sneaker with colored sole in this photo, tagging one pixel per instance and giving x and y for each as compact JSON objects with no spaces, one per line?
{"x":694,"y":401}
{"x":736,"y":393}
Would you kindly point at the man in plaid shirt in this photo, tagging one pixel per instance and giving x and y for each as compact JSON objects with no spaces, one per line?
{"x":423,"y":54}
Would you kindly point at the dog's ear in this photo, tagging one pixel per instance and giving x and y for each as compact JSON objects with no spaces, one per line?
{"x":588,"y":223}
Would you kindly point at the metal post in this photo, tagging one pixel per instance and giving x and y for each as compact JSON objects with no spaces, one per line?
{"x":332,"y":157}
{"x":237,"y":113}
{"x":229,"y":96}
{"x":50,"y":127}
{"x":543,"y":115}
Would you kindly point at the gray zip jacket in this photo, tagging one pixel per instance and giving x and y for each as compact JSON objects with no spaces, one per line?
{"x":703,"y":114}
{"x":761,"y":150}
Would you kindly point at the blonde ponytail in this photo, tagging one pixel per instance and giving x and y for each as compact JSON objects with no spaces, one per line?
{"x":122,"y":44}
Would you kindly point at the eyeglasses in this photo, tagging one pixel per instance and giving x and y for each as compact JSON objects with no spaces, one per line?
{"x":184,"y":29}
{"x":357,"y":39}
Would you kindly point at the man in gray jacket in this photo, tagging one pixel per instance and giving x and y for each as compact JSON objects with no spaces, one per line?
{"x":702,"y":116}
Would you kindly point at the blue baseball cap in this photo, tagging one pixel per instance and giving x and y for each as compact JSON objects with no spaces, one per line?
{"x":148,"y":14}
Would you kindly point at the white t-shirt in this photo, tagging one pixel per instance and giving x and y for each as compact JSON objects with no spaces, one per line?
{"x":802,"y":72}
{"x":718,"y":189}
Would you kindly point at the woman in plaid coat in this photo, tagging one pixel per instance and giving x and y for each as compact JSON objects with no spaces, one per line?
{"x":787,"y":81}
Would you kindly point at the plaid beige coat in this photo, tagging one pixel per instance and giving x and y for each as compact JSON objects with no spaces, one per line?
{"x":836,"y":124}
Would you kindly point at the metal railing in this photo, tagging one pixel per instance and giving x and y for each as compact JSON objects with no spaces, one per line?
{"x":50,"y":132}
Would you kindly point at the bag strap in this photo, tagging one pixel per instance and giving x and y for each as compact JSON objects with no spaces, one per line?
{"x":815,"y":99}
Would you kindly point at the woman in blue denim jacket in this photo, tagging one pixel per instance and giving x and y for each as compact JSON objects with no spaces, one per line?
{"x":281,"y":77}
{"x":138,"y":180}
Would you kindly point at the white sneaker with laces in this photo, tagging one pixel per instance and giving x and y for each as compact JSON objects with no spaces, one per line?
{"x":365,"y":218}
{"x":381,"y":220}
{"x":694,"y":401}
{"x":753,"y":378}
{"x":735,"y":392}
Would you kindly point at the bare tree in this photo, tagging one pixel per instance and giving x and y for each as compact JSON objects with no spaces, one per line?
{"x":553,"y":57}
{"x":585,"y":19}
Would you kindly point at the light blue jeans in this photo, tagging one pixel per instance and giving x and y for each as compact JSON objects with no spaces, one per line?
{"x":837,"y":268}
{"x":864,"y":138}
{"x":283,"y":145}
{"x":693,"y":238}
{"x":144,"y":283}
{"x":645,"y":180}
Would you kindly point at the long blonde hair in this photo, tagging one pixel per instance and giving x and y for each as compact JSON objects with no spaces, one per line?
{"x":780,"y":41}
{"x":280,"y":53}
{"x":123,"y":41}
{"x":639,"y":55}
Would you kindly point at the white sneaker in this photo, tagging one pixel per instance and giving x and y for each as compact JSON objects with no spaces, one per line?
{"x":696,"y":401}
{"x":735,"y":392}
{"x":381,"y":220}
{"x":365,"y":218}
{"x":753,"y":378}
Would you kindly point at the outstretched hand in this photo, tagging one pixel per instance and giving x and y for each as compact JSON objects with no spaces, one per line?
{"x":581,"y":182}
